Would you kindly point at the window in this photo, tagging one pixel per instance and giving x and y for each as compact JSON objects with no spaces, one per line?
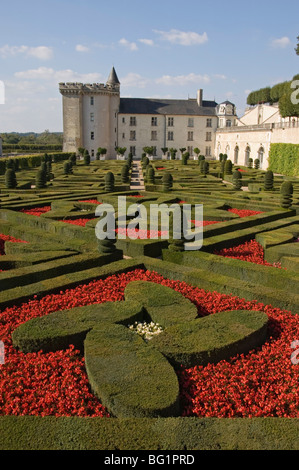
{"x":208,"y":136}
{"x":91,"y":117}
{"x":123,"y":120}
{"x":170,"y":122}
{"x":132,"y":135}
{"x":133,"y":151}
{"x":154,"y":121}
{"x":208,"y":151}
{"x":190,"y":122}
{"x":209,"y":122}
{"x":92,"y":135}
{"x":154,"y":135}
{"x":190,"y":135}
{"x":123,"y":135}
{"x":154,"y":151}
{"x":92,"y":153}
{"x":228,"y":123}
{"x":91,"y":101}
{"x":133,"y":121}
{"x":190,"y":150}
{"x":170,"y":136}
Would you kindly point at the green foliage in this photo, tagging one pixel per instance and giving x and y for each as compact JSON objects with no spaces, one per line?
{"x":256,"y":163}
{"x":67,"y":168}
{"x":286,"y":191}
{"x":250,"y":163}
{"x":228,"y":168}
{"x":185,"y":158}
{"x":41,"y":179}
{"x":10,"y":178}
{"x":167,"y":181}
{"x":86,"y":157}
{"x":237,"y":180}
{"x":109,"y":182}
{"x":268,"y":180}
{"x":151,"y":175}
{"x":125,"y":171}
{"x":284,"y":159}
{"x":173,"y":153}
{"x":259,"y":96}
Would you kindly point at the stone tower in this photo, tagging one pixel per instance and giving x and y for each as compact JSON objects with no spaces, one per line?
{"x":90,"y":115}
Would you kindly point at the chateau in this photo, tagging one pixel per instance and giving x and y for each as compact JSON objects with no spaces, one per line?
{"x":94,"y":115}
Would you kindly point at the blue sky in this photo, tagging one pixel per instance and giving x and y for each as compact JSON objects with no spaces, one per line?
{"x":160,"y":48}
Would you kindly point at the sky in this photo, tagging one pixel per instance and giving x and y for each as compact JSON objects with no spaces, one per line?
{"x":159,"y":49}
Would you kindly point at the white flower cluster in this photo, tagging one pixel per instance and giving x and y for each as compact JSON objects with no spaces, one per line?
{"x":146,"y":330}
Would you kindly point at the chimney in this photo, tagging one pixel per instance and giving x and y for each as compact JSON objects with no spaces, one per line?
{"x":199,"y":97}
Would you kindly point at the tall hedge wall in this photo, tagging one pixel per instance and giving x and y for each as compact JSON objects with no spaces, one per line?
{"x":284,"y":159}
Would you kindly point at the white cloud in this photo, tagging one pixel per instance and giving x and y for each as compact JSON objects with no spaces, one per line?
{"x":39,"y":52}
{"x":46,"y":73}
{"x":220,"y":76}
{"x":281,"y":43}
{"x":132,"y":46}
{"x":182,"y":80}
{"x":184,"y":38}
{"x":147,"y":42}
{"x":81,"y":48}
{"x":133,"y":80}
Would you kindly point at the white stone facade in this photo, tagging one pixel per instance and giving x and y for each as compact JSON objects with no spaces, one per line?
{"x":253,"y":134}
{"x":94,"y":115}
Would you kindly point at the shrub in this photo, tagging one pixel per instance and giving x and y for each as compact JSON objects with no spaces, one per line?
{"x":268,"y":180}
{"x":228,"y":168}
{"x":109,"y":182}
{"x":286,"y":192}
{"x":151,"y":175}
{"x":67,"y":168}
{"x":256,"y":163}
{"x":125,"y":171}
{"x":250,"y":163}
{"x":185,"y":158}
{"x":10,"y":179}
{"x":237,"y":180}
{"x":167,"y":181}
{"x":86,"y":158}
{"x":206,"y":168}
{"x":41,"y":179}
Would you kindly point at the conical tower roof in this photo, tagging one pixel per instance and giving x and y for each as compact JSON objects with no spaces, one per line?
{"x":113,"y":79}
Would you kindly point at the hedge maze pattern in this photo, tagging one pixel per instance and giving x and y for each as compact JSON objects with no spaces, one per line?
{"x":50,"y":205}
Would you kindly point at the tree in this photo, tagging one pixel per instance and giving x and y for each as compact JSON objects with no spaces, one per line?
{"x":297,"y":48}
{"x":172,"y":153}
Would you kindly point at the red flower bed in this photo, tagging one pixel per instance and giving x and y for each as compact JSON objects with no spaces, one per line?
{"x":161,"y":168}
{"x":250,"y":251}
{"x":7,"y":238}
{"x":36,"y":211}
{"x":244,"y":212}
{"x":259,"y":384}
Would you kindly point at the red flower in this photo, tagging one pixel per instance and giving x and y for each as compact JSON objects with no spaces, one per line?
{"x":261,"y":383}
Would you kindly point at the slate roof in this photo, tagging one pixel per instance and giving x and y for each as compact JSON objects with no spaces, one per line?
{"x":167,"y":107}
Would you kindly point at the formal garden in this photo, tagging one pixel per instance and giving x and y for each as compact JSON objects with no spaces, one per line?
{"x":138,"y":344}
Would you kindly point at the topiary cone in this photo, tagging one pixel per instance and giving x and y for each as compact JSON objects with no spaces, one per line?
{"x":286,"y":192}
{"x":109,"y":182}
{"x":10,"y":179}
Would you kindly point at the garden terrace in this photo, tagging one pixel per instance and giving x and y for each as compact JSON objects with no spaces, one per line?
{"x":59,"y":292}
